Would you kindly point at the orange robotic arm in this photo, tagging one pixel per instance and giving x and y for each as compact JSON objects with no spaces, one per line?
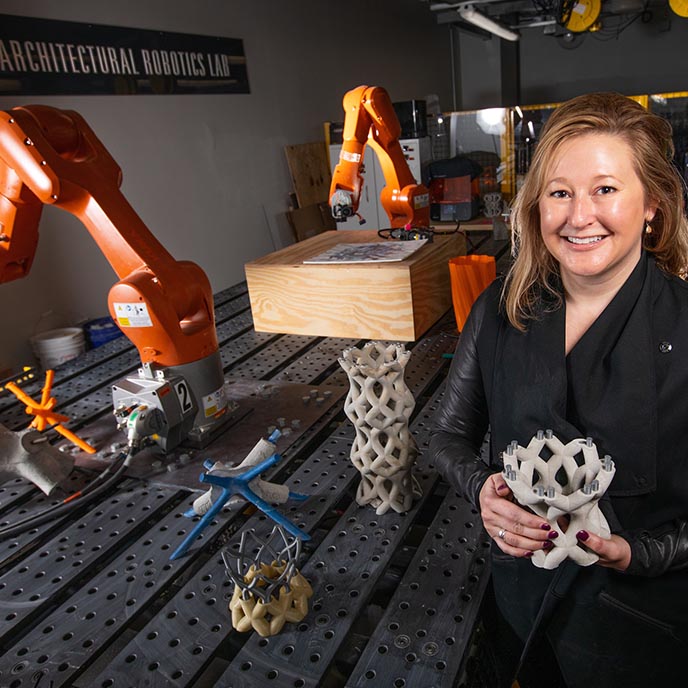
{"x":50,"y":156}
{"x":370,"y":118}
{"x":164,"y":306}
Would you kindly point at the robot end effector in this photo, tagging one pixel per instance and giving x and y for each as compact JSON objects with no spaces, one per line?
{"x":342,"y":205}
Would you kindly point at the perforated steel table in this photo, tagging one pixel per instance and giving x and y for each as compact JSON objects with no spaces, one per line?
{"x":92,"y":599}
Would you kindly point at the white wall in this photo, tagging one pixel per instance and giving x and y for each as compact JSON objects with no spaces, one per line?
{"x":207,"y":173}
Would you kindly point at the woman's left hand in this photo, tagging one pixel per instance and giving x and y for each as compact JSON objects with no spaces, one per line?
{"x":614,"y":553}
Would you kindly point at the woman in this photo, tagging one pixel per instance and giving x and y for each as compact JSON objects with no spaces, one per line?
{"x":587,"y":336}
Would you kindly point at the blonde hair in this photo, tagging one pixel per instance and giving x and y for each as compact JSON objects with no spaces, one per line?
{"x":534,"y":272}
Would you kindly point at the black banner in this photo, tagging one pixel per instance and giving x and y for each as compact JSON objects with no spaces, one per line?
{"x":49,"y":57}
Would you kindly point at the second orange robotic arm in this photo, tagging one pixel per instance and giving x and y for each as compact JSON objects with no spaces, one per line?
{"x":370,"y":118}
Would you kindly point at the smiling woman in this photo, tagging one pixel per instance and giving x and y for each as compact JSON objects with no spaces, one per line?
{"x":593,"y":214}
{"x":583,"y":122}
{"x":577,"y":343}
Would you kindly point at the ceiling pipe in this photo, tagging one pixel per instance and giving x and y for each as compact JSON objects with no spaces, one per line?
{"x":472,"y":16}
{"x":443,"y":6}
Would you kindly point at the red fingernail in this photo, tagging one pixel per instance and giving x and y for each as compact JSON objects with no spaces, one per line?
{"x":582,"y":535}
{"x":502,"y":487}
{"x":552,"y":535}
{"x":545,"y":526}
{"x":529,"y":554}
{"x":547,"y":545}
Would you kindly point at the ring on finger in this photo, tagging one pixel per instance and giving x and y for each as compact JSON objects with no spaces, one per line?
{"x":501,"y":533}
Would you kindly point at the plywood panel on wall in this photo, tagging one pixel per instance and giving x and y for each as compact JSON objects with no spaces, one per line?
{"x":310,"y":172}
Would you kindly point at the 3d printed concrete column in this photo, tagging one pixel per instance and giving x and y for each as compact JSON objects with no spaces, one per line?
{"x":568,"y":484}
{"x":379,"y":405}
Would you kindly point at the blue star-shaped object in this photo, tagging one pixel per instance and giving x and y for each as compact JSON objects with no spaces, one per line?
{"x":239,"y":485}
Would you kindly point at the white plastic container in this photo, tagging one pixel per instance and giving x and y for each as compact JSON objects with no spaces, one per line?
{"x":54,"y":347}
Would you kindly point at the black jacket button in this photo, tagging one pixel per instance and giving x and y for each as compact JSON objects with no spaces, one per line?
{"x":665,"y":347}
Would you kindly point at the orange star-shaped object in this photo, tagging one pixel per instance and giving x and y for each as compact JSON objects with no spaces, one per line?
{"x":43,"y":414}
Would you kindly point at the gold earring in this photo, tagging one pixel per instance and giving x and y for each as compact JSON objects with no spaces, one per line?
{"x":648,"y":227}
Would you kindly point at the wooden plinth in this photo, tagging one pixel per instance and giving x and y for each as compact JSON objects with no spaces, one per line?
{"x":393,"y":301}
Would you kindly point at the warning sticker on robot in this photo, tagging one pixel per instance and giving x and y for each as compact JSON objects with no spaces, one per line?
{"x":421,"y":201}
{"x":214,"y":402}
{"x":350,"y":157}
{"x":132,"y":315}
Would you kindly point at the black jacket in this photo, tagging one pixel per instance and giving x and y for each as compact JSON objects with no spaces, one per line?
{"x":648,"y":500}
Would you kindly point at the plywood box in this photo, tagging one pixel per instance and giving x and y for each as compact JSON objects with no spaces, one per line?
{"x":394,"y":301}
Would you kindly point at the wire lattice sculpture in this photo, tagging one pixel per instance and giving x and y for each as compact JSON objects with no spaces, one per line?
{"x":269,"y":591}
{"x":379,"y":404}
{"x":567,"y":485}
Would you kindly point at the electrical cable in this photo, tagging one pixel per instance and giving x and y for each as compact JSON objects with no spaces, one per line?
{"x":546,"y":7}
{"x":414,"y":233}
{"x":406,"y":233}
{"x":611,"y":33}
{"x":79,"y":498}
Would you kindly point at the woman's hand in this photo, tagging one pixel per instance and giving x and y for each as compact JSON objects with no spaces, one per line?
{"x":614,"y":553}
{"x":516,"y":531}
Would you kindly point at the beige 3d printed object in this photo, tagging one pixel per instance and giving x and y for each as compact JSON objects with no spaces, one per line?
{"x":268,"y":589}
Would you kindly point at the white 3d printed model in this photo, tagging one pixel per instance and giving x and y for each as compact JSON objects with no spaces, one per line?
{"x":561,"y":486}
{"x":379,"y":405}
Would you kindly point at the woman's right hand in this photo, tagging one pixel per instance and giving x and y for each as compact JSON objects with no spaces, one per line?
{"x":517,"y":531}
